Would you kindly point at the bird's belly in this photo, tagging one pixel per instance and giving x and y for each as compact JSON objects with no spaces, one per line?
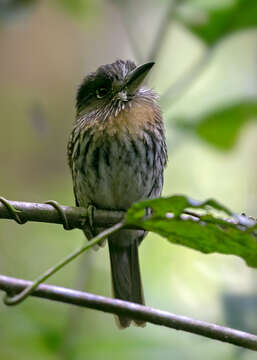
{"x":121,"y":186}
{"x":117,"y":173}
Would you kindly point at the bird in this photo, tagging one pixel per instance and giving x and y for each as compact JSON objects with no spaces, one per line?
{"x":117,"y":153}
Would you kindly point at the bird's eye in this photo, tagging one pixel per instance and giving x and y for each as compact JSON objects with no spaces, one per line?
{"x":100,"y":93}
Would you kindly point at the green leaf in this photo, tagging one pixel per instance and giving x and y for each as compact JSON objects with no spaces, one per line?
{"x":203,"y":231}
{"x":77,"y":8}
{"x":221,"y":127}
{"x":211,"y":24}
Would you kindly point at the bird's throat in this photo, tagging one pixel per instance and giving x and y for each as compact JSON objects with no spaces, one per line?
{"x":132,"y":119}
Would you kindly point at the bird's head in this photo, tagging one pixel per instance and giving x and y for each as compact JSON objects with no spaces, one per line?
{"x":111,"y":88}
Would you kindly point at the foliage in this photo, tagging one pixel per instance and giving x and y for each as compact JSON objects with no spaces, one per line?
{"x":214,"y":23}
{"x":221,"y":127}
{"x":77,"y":8}
{"x":203,"y":231}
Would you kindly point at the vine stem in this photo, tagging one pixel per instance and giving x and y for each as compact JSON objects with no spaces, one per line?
{"x":16,"y":299}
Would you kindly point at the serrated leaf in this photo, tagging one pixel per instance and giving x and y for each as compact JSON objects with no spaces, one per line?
{"x":206,"y":232}
{"x":214,"y":23}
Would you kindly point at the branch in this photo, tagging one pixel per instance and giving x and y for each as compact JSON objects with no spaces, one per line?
{"x":72,"y":217}
{"x":168,"y":18}
{"x":132,"y":40}
{"x":249,"y":341}
{"x":76,"y":217}
{"x":162,"y":30}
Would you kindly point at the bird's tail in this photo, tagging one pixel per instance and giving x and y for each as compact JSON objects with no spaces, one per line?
{"x":126,"y":280}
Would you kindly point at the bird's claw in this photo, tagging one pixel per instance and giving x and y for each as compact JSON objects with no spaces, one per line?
{"x":90,"y":214}
{"x":89,"y":229}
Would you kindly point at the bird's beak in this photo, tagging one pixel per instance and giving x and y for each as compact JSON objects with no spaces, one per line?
{"x":135,"y":78}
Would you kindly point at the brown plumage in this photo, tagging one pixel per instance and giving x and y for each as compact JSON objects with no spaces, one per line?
{"x":117,"y":153}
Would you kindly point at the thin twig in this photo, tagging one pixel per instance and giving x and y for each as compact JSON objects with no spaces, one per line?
{"x":177,"y":89}
{"x":162,"y":30}
{"x":14,"y":300}
{"x":131,"y":37}
{"x":132,"y":310}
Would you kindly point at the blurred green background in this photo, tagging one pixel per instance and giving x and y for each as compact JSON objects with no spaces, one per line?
{"x":206,"y":74}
